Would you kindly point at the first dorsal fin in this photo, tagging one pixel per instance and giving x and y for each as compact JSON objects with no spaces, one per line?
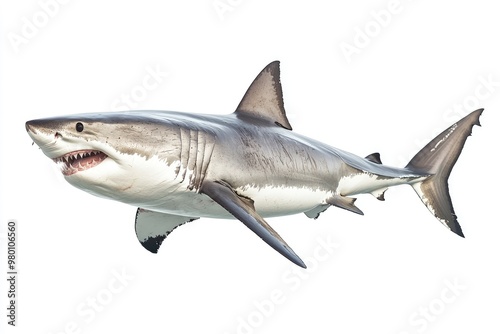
{"x":264,"y":97}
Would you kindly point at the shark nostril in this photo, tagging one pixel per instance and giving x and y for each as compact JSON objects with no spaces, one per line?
{"x":57,"y":135}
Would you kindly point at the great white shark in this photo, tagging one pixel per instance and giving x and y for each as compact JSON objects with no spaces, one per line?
{"x":176,"y":167}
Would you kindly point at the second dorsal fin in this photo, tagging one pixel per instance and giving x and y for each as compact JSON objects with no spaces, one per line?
{"x":264,"y":97}
{"x":374,"y":157}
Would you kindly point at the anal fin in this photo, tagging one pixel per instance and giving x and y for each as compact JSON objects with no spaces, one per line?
{"x":153,"y":227}
{"x":243,"y":209}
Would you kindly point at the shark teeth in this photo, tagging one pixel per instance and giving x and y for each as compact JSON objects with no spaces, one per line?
{"x":78,"y":161}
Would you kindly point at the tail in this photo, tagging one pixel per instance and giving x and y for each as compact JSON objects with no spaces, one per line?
{"x":437,"y":159}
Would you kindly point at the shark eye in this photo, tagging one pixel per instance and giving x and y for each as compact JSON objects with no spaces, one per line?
{"x":79,"y":127}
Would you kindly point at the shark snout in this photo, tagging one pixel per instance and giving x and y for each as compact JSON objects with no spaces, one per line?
{"x":45,"y":136}
{"x":35,"y":132}
{"x":39,"y":129}
{"x":30,"y":126}
{"x":37,"y":126}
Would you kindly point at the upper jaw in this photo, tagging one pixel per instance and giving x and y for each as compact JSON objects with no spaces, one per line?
{"x":78,"y":161}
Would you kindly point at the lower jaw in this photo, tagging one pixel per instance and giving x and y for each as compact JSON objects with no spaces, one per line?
{"x":68,"y":171}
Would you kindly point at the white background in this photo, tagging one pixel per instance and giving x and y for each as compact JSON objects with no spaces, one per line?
{"x":392,"y":269}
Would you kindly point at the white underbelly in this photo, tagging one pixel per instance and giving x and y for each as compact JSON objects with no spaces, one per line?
{"x":271,"y":201}
{"x":268,"y":201}
{"x":152,"y":184}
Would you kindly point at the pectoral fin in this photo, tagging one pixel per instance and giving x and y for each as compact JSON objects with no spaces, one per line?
{"x":153,"y":227}
{"x":243,"y":209}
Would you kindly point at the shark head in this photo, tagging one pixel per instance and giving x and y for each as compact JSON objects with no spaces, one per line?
{"x":102,"y":153}
{"x":71,"y":144}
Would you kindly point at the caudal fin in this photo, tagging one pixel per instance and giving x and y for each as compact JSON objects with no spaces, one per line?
{"x":437,"y":159}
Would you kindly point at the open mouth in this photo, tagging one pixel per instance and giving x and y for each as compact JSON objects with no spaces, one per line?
{"x":78,"y":161}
